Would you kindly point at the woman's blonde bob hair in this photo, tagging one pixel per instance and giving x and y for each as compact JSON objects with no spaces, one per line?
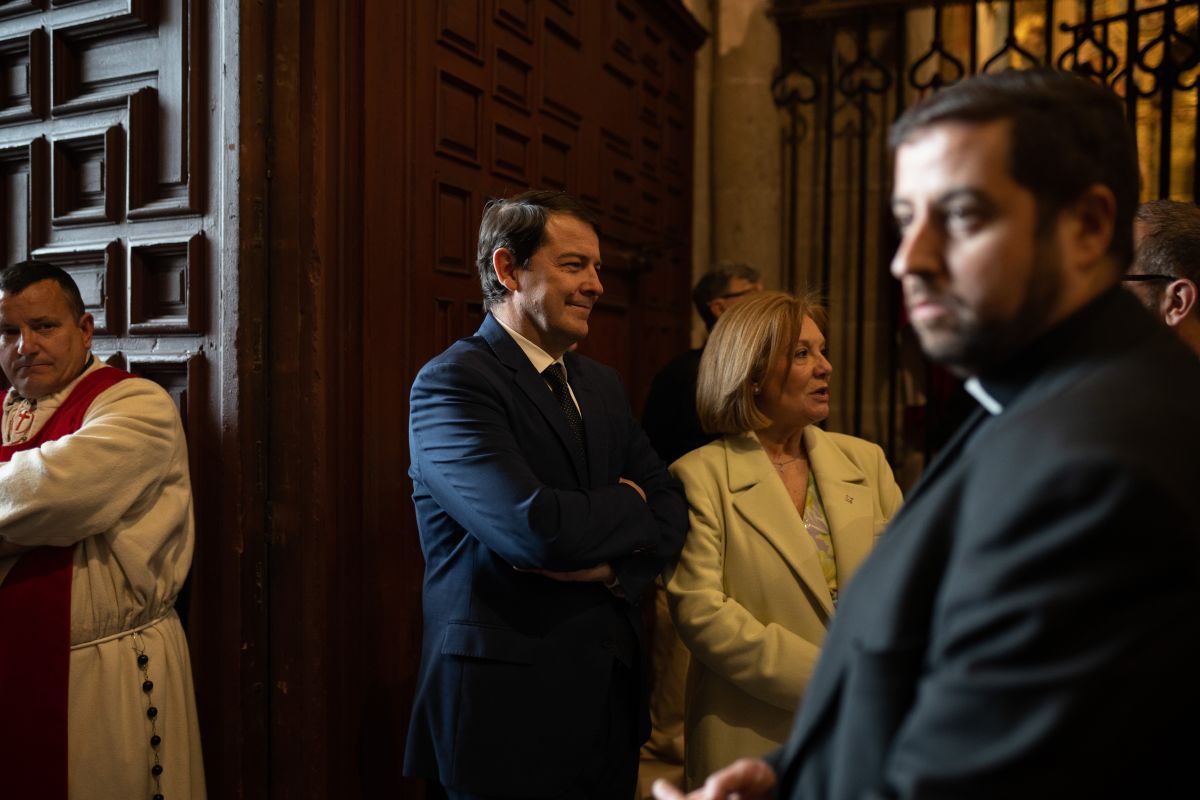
{"x":745,"y":341}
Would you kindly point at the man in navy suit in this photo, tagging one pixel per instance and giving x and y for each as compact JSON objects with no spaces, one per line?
{"x":544,"y":514}
{"x":1027,"y":627}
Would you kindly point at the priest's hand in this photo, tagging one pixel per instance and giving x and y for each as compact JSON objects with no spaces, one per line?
{"x":744,"y":779}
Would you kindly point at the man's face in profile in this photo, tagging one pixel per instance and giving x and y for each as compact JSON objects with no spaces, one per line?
{"x":553,"y":297}
{"x":978,"y":279}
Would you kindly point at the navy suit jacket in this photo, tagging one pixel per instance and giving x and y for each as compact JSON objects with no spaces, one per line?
{"x":515,"y":666}
{"x":1029,"y":624}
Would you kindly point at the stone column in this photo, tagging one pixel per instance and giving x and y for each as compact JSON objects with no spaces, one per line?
{"x":745,"y":171}
{"x":736,"y":179}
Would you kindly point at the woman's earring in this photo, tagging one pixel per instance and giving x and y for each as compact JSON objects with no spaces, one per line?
{"x":757,"y":389}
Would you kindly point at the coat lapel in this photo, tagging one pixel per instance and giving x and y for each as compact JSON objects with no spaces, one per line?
{"x":847,"y":501}
{"x":760,"y":497}
{"x":827,"y":680}
{"x":536,"y":389}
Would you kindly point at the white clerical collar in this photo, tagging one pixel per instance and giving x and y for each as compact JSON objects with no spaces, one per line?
{"x":976,"y":390}
{"x":536,"y":355}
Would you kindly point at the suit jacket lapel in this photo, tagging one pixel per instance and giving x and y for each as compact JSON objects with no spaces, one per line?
{"x":847,"y":501}
{"x":535,"y":388}
{"x":760,"y":497}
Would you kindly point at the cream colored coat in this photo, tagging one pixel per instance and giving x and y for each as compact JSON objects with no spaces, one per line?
{"x":749,"y":598}
{"x":118,"y":490}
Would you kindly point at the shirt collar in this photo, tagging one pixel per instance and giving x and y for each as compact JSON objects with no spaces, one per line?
{"x":536,"y":355}
{"x":976,"y":390}
{"x":1089,"y":330}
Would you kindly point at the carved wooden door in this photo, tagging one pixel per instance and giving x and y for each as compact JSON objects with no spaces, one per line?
{"x":111,"y":118}
{"x":103,"y":171}
{"x":591,"y":98}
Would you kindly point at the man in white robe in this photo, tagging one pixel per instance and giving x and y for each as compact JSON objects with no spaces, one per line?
{"x":94,"y":475}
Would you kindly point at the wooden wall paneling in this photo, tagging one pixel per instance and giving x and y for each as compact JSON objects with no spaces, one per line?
{"x":24,"y":65}
{"x":589,"y":165}
{"x":474,"y":152}
{"x":24,"y":198}
{"x":142,"y":57}
{"x":10,"y":8}
{"x":455,"y":217}
{"x":98,"y":272}
{"x":179,"y":374}
{"x":610,"y":337}
{"x":333,"y":704}
{"x":562,"y":66}
{"x":620,"y":25}
{"x":231,"y":582}
{"x":394,"y":289}
{"x":424,"y":177}
{"x":461,"y":27}
{"x":670,"y":70}
{"x":89,"y":176}
{"x":458,"y":119}
{"x":566,"y":17}
{"x":303,"y":553}
{"x":166,"y":280}
{"x":102,"y":60}
{"x":558,"y":156}
{"x":515,"y":145}
{"x":353,"y":705}
{"x":170,"y":127}
{"x":513,"y":79}
{"x":517,"y":16}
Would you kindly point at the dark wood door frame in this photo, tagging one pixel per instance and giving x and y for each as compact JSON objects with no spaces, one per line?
{"x":308,"y":721}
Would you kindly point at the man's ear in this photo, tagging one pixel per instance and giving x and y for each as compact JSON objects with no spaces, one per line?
{"x":505,"y":267}
{"x":1179,"y":300}
{"x":1093,"y":216}
{"x":718,"y":306}
{"x":87,"y":324}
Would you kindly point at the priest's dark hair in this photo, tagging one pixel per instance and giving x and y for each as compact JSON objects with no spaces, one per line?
{"x":20,"y":276}
{"x":1067,"y":133}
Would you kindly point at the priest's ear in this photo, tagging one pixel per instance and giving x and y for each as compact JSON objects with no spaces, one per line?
{"x":505,"y":266}
{"x":87,"y":324}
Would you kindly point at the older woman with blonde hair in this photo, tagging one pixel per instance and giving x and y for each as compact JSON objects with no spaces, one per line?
{"x":782,"y":513}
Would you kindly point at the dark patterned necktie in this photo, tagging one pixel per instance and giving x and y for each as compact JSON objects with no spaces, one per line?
{"x":557,"y":379}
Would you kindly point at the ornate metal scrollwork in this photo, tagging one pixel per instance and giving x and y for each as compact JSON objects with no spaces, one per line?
{"x":866,"y":74}
{"x":937,"y":50}
{"x":1011,"y":45}
{"x":1084,"y":41}
{"x":794,"y":84}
